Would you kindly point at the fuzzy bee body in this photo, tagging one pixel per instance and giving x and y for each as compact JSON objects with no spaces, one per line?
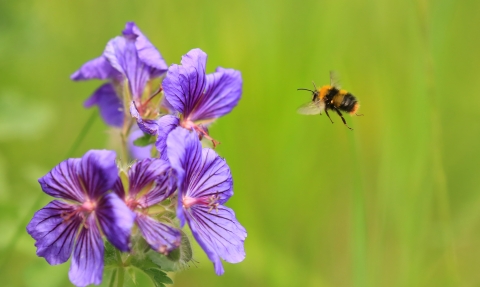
{"x":330,"y":97}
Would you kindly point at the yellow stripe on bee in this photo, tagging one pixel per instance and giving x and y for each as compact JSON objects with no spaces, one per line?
{"x":323,"y":91}
{"x":338,"y":98}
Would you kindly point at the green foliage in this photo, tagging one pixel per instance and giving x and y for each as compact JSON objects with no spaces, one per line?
{"x":145,"y":140}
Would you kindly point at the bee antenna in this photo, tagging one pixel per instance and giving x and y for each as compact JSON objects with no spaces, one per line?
{"x":302,"y":89}
{"x":315,"y":86}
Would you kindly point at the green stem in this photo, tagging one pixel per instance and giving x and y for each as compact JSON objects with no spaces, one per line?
{"x":112,"y":278}
{"x":7,"y":253}
{"x":121,"y":269}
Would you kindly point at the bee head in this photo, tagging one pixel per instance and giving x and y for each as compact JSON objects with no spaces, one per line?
{"x":314,"y":92}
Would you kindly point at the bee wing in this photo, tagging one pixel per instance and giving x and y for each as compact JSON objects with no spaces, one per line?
{"x":312,"y":108}
{"x":335,"y":80}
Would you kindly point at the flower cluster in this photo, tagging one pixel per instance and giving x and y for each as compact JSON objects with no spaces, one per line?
{"x":173,"y":180}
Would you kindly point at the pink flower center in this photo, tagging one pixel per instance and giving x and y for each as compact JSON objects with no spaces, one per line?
{"x":211,"y":201}
{"x":190,"y":125}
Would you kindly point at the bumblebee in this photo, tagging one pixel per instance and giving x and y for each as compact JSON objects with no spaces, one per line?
{"x":330,"y":97}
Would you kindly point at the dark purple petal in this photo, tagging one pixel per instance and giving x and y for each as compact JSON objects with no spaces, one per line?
{"x":116,"y":220}
{"x":119,"y":189}
{"x":166,"y":124}
{"x":147,"y":126}
{"x":98,"y":68}
{"x":146,"y":51}
{"x":54,"y":232}
{"x":138,"y":152}
{"x":122,"y":55}
{"x":219,"y":234}
{"x":110,"y":105}
{"x":63,"y":181}
{"x":98,"y":172}
{"x":161,"y":237}
{"x":212,"y":178}
{"x":185,"y":84}
{"x":185,"y":154}
{"x":145,"y":172}
{"x":87,"y":260}
{"x":223,"y":91}
{"x":164,"y":186}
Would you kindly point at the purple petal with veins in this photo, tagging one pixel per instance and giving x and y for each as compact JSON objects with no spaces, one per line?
{"x":146,"y":51}
{"x":98,"y":172}
{"x":185,"y":84}
{"x":53,"y":233}
{"x":161,"y":237}
{"x":87,"y":259}
{"x":109,"y":104}
{"x":147,"y":126}
{"x":116,"y":221}
{"x":219,"y":234}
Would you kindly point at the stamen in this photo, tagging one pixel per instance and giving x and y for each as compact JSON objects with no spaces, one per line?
{"x":210,"y":201}
{"x":188,"y":124}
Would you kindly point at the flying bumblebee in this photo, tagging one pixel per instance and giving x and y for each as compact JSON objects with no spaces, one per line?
{"x":330,"y":97}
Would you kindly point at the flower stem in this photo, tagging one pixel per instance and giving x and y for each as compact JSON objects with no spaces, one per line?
{"x":5,"y":257}
{"x":112,"y":278}
{"x":121,"y":269}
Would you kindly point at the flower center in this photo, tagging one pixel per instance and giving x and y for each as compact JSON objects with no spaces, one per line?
{"x":81,"y":210}
{"x":211,"y":201}
{"x":190,"y":125}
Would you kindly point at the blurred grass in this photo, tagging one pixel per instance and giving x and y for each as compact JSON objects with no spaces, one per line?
{"x":393,"y":203}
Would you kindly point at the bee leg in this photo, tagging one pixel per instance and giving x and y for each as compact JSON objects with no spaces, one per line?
{"x":343,"y":119}
{"x":328,"y":115}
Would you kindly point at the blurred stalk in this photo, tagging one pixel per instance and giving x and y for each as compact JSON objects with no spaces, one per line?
{"x":7,"y":253}
{"x":439,"y":176}
{"x":359,"y":240}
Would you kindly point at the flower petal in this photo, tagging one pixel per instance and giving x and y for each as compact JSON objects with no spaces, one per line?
{"x":164,"y":186}
{"x":87,"y":260}
{"x":146,"y":51}
{"x":98,"y":172}
{"x":161,"y":237}
{"x":184,"y":153}
{"x":138,"y":152}
{"x":145,"y":172}
{"x":63,"y":181}
{"x":98,"y":68}
{"x":212,"y":178}
{"x":166,"y":124}
{"x":219,"y":234}
{"x":223,"y":91}
{"x":147,"y":126}
{"x":116,"y":220}
{"x":122,"y":55}
{"x":53,"y":233}
{"x":109,"y":104}
{"x":185,"y":84}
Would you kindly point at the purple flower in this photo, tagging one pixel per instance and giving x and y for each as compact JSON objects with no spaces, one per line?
{"x":204,"y":185}
{"x":199,"y":98}
{"x":130,"y":56}
{"x":78,"y":222}
{"x":150,"y":182}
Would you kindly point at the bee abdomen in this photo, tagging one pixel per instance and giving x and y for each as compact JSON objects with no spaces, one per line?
{"x":349,"y":104}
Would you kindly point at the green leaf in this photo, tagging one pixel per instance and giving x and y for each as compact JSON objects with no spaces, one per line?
{"x":144,"y":140}
{"x":109,"y":256}
{"x":158,"y":277}
{"x":175,"y":260}
{"x":131,"y":273}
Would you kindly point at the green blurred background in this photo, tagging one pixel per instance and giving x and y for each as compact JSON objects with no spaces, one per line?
{"x":395,"y":202}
